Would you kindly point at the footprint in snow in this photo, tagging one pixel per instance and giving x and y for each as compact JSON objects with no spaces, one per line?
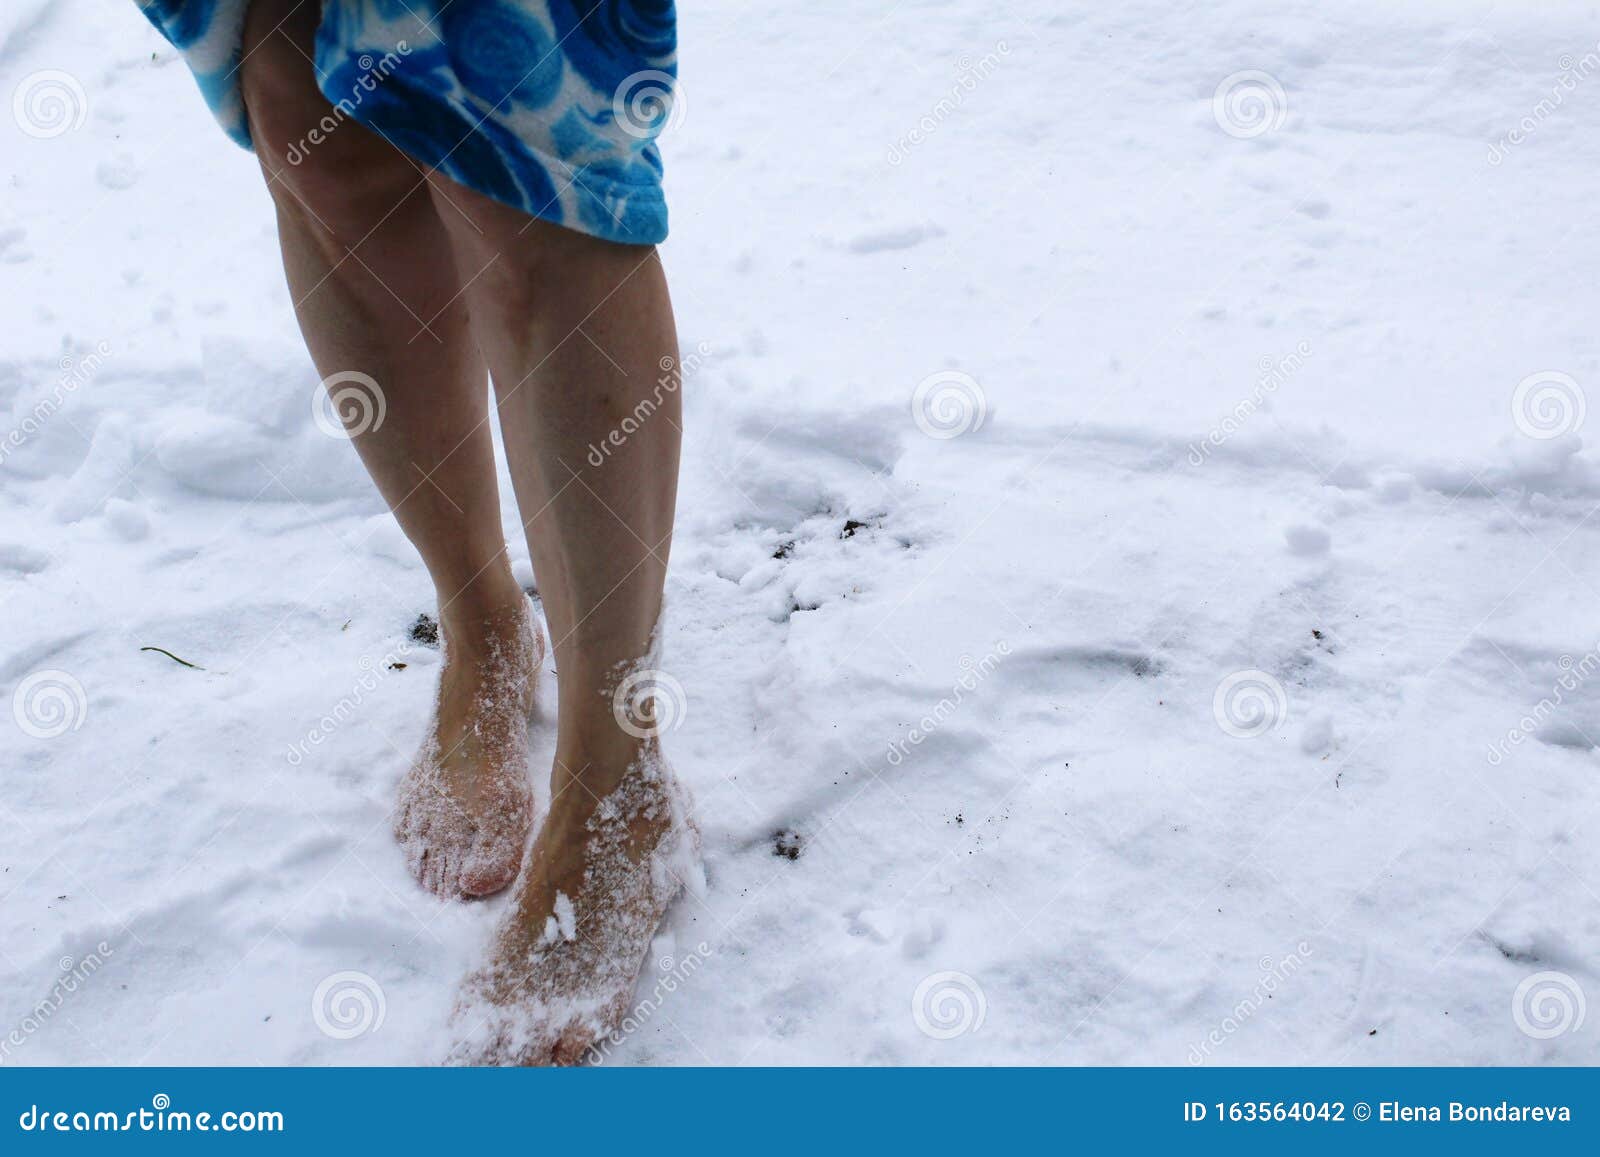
{"x":894,"y":237}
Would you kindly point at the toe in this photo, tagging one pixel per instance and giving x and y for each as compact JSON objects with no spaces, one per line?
{"x":572,"y":1046}
{"x":418,"y":845}
{"x":448,"y":884}
{"x":433,"y":872}
{"x":500,"y":1038}
{"x":414,"y":856}
{"x":487,"y":880}
{"x":485,"y":1044}
{"x":492,"y":865}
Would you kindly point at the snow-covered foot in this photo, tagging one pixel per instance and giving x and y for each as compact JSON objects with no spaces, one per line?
{"x":564,"y":962}
{"x":466,"y":806}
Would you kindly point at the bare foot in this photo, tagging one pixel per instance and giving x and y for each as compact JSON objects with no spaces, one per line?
{"x":466,"y":806}
{"x":565,"y":961}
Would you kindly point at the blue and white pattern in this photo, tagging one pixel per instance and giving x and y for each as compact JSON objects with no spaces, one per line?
{"x":552,"y":106}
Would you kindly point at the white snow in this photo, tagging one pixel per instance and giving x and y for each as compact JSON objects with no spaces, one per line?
{"x":566,"y":925}
{"x":1294,"y":391}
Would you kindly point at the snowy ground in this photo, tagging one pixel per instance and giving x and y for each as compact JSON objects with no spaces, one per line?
{"x":1404,"y":866}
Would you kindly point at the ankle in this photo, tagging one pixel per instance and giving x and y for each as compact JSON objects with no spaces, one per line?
{"x":581,"y":779}
{"x":480,"y":617}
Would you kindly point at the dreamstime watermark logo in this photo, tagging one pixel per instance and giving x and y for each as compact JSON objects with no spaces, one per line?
{"x":948,"y":1004}
{"x":75,"y":371}
{"x":1573,"y":72}
{"x":649,"y":703}
{"x":73,"y":973}
{"x":1249,"y":103}
{"x":948,"y":404}
{"x":1273,"y":374}
{"x":1275,"y":972}
{"x":373,"y":673}
{"x":1574,"y":673}
{"x":1250,"y":703}
{"x":49,"y":103}
{"x":1548,"y":404}
{"x":649,"y":104}
{"x":348,"y":1004}
{"x":373,"y":73}
{"x":160,"y":1117}
{"x":1548,"y":1004}
{"x":670,"y":381}
{"x":348,"y":404}
{"x":969,"y":75}
{"x":673,"y":975}
{"x":47,"y":704}
{"x":973,"y":672}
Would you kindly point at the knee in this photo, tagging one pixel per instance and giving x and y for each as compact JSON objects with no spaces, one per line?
{"x":520,"y":259}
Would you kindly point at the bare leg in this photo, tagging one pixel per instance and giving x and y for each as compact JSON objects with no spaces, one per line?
{"x":375,"y":289}
{"x":579,"y":336}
